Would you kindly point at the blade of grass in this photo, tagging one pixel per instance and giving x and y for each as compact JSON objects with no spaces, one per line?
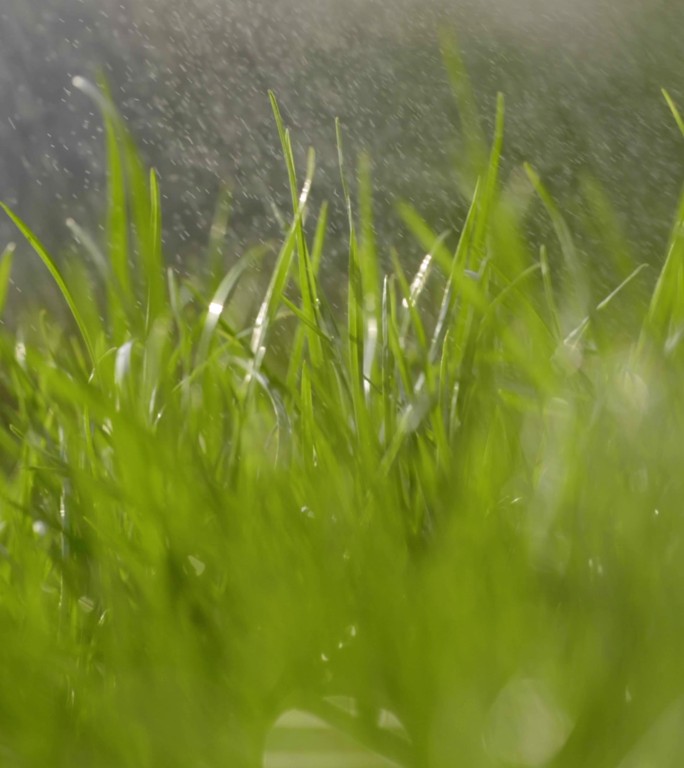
{"x":447,"y":307}
{"x":144,"y":210}
{"x":307,"y":280}
{"x":307,"y":417}
{"x":219,"y":300}
{"x":117,"y":218}
{"x":218,"y":231}
{"x":411,"y":295}
{"x":548,"y":290}
{"x":38,"y":247}
{"x":388,"y":364}
{"x":675,"y":111}
{"x":577,"y":274}
{"x":276,"y":288}
{"x":489,"y":191}
{"x":370,"y":269}
{"x":601,"y":213}
{"x":666,"y":307}
{"x":154,"y":268}
{"x":475,"y":144}
{"x":5,"y":273}
{"x":355,"y":315}
{"x":84,"y":239}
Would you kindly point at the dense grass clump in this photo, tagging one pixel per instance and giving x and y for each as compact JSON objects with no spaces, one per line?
{"x":460,"y":500}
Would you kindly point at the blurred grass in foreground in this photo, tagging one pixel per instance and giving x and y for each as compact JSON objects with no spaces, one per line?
{"x":467,"y":515}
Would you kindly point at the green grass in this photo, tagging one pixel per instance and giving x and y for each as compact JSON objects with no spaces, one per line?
{"x":460,"y":501}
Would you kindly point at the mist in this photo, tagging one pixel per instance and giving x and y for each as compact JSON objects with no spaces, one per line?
{"x":582,"y":82}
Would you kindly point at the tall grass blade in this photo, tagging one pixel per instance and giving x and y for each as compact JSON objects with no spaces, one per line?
{"x":218,"y":231}
{"x":580,"y":289}
{"x":487,"y":201}
{"x":5,"y":273}
{"x":219,"y":300}
{"x":84,"y":239}
{"x":355,"y":315}
{"x":276,"y":288}
{"x":675,"y":111}
{"x":549,"y":293}
{"x":144,"y":211}
{"x":475,"y":148}
{"x":446,"y":319}
{"x":665,"y":314}
{"x":307,"y":278}
{"x":38,"y":247}
{"x":154,"y":266}
{"x":120,"y":295}
{"x":455,"y":266}
{"x":607,"y":226}
{"x":370,"y":270}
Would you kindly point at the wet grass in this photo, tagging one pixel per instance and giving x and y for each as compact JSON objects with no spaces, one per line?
{"x":458,"y":501}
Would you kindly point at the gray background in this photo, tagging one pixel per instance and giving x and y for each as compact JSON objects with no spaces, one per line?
{"x":582,"y":82}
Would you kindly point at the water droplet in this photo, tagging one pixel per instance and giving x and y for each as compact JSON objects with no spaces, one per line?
{"x":197,"y":565}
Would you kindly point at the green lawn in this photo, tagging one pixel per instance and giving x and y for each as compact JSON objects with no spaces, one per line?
{"x":457,"y":500}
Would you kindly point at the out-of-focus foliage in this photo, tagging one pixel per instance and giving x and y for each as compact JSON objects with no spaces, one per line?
{"x":470,"y":518}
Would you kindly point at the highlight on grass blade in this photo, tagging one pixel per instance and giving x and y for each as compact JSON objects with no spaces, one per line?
{"x":218,"y":302}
